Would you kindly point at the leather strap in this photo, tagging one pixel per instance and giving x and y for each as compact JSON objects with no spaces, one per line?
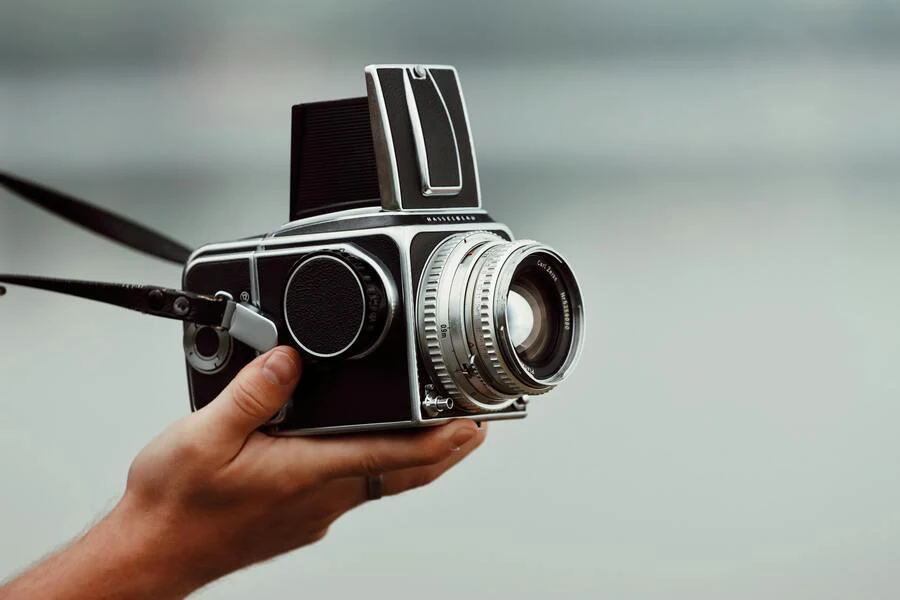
{"x":109,"y":225}
{"x":148,"y":299}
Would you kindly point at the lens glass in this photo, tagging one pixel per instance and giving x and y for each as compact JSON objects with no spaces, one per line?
{"x":538,"y":314}
{"x":520,"y":317}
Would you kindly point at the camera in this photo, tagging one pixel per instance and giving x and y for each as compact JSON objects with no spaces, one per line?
{"x":409,"y":304}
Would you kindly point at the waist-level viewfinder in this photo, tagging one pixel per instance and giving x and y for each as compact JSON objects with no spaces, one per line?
{"x":407,"y":146}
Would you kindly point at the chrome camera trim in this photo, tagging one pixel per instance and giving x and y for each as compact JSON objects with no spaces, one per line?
{"x":508,"y":263}
{"x":402,"y":235}
{"x":206,"y":364}
{"x":421,"y":73}
{"x":388,"y":177}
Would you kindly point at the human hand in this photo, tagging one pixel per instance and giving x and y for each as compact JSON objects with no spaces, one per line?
{"x":211,"y":494}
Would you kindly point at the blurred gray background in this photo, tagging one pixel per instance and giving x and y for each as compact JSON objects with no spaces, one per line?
{"x":722,"y":175}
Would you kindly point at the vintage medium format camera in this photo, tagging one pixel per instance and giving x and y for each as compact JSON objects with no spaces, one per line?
{"x":409,"y":304}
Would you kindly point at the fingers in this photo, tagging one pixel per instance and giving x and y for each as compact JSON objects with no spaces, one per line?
{"x":254,"y":396}
{"x":397,"y":482}
{"x":363,"y":455}
{"x":350,"y":492}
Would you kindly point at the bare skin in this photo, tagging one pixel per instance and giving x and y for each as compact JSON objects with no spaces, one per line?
{"x":211,"y":494}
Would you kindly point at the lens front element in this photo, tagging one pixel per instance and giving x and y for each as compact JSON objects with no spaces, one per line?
{"x":497,"y":320}
{"x":538,"y":281}
{"x":520,"y":309}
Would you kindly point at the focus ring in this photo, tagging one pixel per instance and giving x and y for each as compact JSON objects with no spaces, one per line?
{"x":428,"y":301}
{"x":444,"y":333}
{"x":486,"y":333}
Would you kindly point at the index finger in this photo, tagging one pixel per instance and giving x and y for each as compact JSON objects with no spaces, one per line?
{"x":374,"y":454}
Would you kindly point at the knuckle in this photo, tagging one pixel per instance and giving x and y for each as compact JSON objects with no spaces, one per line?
{"x":435,"y":452}
{"x":187,"y":449}
{"x":372,"y":465}
{"x":248,"y":397}
{"x":136,"y":474}
{"x":318,"y":535}
{"x":285,"y":486}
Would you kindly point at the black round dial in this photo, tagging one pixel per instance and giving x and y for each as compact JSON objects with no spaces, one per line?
{"x":336,"y":305}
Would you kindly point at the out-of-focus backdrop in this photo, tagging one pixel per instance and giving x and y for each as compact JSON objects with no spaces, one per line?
{"x":723,"y":176}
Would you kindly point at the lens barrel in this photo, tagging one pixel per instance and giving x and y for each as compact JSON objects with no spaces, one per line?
{"x":497,"y":320}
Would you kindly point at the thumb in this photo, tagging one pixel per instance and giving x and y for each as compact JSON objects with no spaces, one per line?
{"x":255,"y":395}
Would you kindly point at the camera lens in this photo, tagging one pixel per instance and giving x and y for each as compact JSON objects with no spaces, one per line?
{"x":536,"y":316}
{"x":497,"y":319}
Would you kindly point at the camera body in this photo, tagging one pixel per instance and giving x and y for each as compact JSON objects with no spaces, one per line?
{"x":409,"y":304}
{"x":384,"y":388}
{"x":389,"y":278}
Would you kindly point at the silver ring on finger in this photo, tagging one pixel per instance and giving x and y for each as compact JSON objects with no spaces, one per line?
{"x":374,"y":487}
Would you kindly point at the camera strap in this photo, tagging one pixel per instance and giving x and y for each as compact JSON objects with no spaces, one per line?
{"x":241,"y":321}
{"x":100,"y":221}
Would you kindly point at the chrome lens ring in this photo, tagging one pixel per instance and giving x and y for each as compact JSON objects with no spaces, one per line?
{"x":443,"y":335}
{"x":489,"y":300}
{"x":557,"y":298}
{"x":464,"y":313}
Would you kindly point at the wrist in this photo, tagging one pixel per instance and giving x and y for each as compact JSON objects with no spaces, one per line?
{"x":141,"y":553}
{"x":130,"y":554}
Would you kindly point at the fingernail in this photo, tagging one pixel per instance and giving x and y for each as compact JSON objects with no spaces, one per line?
{"x":280,"y":368}
{"x":460,"y":437}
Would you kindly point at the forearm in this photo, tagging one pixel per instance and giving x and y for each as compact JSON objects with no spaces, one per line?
{"x":125,"y":556}
{"x":211,"y":494}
